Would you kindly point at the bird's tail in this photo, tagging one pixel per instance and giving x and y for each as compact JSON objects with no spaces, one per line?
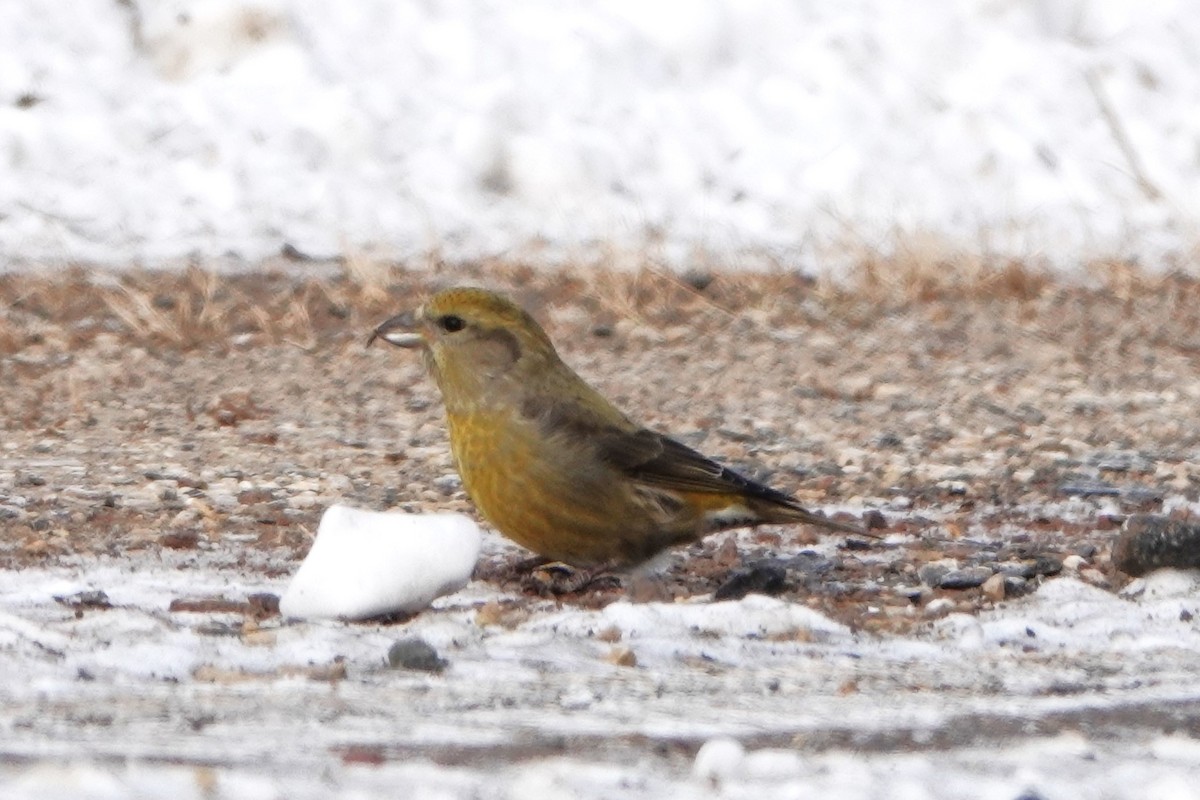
{"x":792,"y":511}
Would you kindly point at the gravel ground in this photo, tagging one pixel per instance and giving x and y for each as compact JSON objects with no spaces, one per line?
{"x":994,"y":431}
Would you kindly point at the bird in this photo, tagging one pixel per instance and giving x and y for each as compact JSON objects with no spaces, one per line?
{"x":552,"y":464}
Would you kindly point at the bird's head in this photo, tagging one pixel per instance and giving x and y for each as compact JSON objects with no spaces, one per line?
{"x":476,"y":343}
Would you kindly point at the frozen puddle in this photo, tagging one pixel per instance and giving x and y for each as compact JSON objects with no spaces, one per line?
{"x":1070,"y":692}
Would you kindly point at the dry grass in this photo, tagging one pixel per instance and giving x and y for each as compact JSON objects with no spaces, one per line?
{"x":199,"y":308}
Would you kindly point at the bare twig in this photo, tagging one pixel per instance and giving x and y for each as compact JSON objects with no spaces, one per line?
{"x":1119,"y":135}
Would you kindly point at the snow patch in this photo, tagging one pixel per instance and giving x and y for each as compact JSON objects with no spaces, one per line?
{"x":369,"y":563}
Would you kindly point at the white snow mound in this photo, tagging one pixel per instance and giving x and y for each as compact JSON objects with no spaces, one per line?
{"x":368,"y":563}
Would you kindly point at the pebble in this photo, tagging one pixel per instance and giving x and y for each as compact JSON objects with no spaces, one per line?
{"x":810,"y":562}
{"x":994,"y":588}
{"x":1020,"y":569}
{"x":1072,"y":563}
{"x":303,"y":500}
{"x":1047,"y":565}
{"x":966,"y":578}
{"x":447,"y":484}
{"x":415,"y":654}
{"x":939,"y":606}
{"x":623,"y":657}
{"x":1089,"y":489}
{"x":339,"y":483}
{"x":764,"y":577}
{"x":1015,"y":586}
{"x":954,"y":487}
{"x":223,"y":501}
{"x":931,"y":574}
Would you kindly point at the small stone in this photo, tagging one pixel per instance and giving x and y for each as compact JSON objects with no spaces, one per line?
{"x":939,"y":607}
{"x":1047,"y":565}
{"x":623,"y":657}
{"x":1089,"y":489}
{"x":1073,"y":562}
{"x":1094,"y":576}
{"x":180,"y":540}
{"x":931,"y":574}
{"x":1015,"y":586}
{"x":89,"y":598}
{"x":993,"y":588}
{"x":698,"y":278}
{"x":447,"y":484}
{"x":763,"y":577}
{"x":1020,"y":569}
{"x":954,"y":487}
{"x":966,"y":578}
{"x":415,"y":654}
{"x":303,"y":500}
{"x":874,"y":520}
{"x":1150,"y":541}
{"x":911,"y":593}
{"x":223,"y":501}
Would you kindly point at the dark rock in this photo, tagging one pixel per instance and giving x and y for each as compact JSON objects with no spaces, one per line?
{"x":966,"y":578}
{"x":931,"y":574}
{"x":1047,"y":565}
{"x":1016,"y":586}
{"x":887,"y":441}
{"x":1083,"y":488}
{"x":180,"y":540}
{"x":698,"y":278}
{"x":874,"y":520}
{"x":810,"y":562}
{"x":415,"y":654}
{"x":1150,"y":541}
{"x":763,"y":577}
{"x":1020,"y":569}
{"x":90,"y":598}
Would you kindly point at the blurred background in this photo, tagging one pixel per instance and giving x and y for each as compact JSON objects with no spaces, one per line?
{"x":734,"y":135}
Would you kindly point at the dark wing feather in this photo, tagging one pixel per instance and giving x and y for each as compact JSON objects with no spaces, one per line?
{"x":657,"y":460}
{"x":660,"y":462}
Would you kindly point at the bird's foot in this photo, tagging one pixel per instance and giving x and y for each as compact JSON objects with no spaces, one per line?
{"x":556,"y":578}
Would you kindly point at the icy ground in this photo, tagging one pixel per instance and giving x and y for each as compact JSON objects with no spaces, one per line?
{"x":809,"y":134}
{"x":1072,"y":692}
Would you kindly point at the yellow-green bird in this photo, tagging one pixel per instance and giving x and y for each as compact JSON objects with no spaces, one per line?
{"x":553,"y":465}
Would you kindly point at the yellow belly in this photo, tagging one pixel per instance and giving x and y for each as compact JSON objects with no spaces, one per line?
{"x":551,"y":497}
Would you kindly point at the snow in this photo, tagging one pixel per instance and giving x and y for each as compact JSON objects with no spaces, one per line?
{"x":1071,"y":691}
{"x":722,"y":134}
{"x":366,"y":564}
{"x":727,"y":134}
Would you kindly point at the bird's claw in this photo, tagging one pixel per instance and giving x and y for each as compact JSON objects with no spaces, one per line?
{"x":557,"y":578}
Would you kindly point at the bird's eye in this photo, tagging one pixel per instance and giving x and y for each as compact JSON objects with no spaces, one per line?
{"x":451,"y":323}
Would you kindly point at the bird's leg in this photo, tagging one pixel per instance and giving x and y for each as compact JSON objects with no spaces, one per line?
{"x":557,"y":578}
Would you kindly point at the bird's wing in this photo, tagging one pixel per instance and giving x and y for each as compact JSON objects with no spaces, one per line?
{"x":651,"y":458}
{"x":660,"y":461}
{"x":657,"y":461}
{"x":645,"y":456}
